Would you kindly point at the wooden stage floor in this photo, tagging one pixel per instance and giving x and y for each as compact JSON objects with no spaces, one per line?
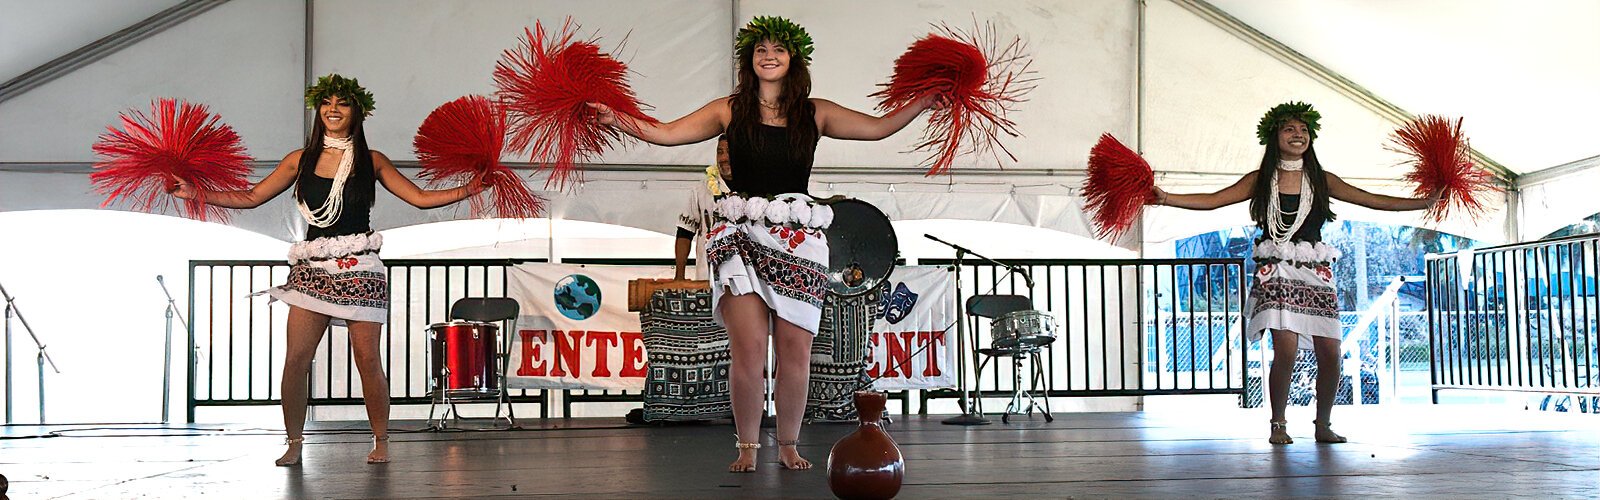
{"x":1454,"y":451}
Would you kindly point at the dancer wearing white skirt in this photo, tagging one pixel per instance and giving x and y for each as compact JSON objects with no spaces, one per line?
{"x":1293,"y":295}
{"x":774,"y":249}
{"x":768,"y":271}
{"x":335,"y":274}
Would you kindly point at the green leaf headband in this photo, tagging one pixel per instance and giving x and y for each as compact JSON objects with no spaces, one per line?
{"x":781,"y":31}
{"x":1282,"y":113}
{"x":345,"y":88}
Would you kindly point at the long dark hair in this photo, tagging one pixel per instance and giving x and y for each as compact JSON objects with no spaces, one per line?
{"x":1269,"y":167}
{"x":359,"y":188}
{"x":799,"y":114}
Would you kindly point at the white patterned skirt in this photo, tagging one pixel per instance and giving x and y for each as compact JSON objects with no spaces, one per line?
{"x":1294,"y":291}
{"x":774,"y":249}
{"x":339,"y":276}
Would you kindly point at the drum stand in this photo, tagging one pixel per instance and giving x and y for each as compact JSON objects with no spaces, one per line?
{"x":443,"y":397}
{"x":1019,"y":395}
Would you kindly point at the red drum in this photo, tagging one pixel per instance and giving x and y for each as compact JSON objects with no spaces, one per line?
{"x":463,"y":358}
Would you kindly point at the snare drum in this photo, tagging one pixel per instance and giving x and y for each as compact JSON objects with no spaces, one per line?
{"x":1023,"y":329}
{"x":463,"y":355}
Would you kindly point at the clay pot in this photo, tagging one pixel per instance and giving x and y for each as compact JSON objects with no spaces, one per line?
{"x":866,"y":464}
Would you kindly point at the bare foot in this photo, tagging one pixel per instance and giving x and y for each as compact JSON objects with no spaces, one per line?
{"x":380,"y":450}
{"x":789,"y":456}
{"x":290,"y":456}
{"x":1280,"y":434}
{"x":746,"y":461}
{"x":1325,"y":434}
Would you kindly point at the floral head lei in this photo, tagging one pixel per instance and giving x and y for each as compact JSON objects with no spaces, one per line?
{"x":346,"y":88}
{"x":781,"y":31}
{"x":1281,"y":113}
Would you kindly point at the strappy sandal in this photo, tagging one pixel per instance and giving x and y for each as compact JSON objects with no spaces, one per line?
{"x":379,"y":459}
{"x":286,"y":460}
{"x":1280,"y":432}
{"x":741,"y":446}
{"x":1327,"y":427}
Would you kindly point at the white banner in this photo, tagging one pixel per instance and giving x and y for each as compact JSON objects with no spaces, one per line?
{"x":913,"y":343}
{"x":575,"y":331}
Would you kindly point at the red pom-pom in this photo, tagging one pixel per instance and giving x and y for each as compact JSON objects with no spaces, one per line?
{"x":976,"y":79}
{"x":1441,"y":161}
{"x":546,"y":84}
{"x":177,"y":140}
{"x":1120,"y":183}
{"x":460,"y":142}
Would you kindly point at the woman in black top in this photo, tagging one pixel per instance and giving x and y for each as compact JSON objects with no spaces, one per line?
{"x":1293,"y":295}
{"x":336,"y":275}
{"x":767,"y":251}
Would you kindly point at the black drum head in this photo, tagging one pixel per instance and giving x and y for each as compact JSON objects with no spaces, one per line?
{"x":862,"y":248}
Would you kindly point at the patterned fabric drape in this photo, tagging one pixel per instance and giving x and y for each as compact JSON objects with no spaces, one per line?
{"x":839,"y":354}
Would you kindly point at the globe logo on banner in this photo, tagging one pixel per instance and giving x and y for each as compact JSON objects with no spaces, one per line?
{"x":897,"y":306}
{"x":577,"y":297}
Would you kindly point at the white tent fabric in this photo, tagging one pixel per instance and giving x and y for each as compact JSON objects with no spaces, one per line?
{"x":33,"y":32}
{"x":1558,"y":203}
{"x":1523,"y":74}
{"x":1199,"y":127}
{"x":243,"y":59}
{"x":418,"y":55}
{"x":1193,"y":91}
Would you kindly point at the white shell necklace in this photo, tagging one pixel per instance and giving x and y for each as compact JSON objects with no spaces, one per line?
{"x":1277,"y":230}
{"x":331,"y":208}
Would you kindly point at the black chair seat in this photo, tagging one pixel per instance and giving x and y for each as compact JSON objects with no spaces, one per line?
{"x":484,"y":309}
{"x":994,"y":306}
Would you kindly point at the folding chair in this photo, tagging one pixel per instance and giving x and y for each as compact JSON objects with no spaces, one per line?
{"x":483,"y":310}
{"x":996,"y":306}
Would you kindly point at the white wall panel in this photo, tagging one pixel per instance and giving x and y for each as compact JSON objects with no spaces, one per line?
{"x":34,"y":32}
{"x":243,"y":58}
{"x":416,"y":55}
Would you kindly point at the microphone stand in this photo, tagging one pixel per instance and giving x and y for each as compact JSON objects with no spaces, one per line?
{"x":1027,"y":277}
{"x":166,"y":354}
{"x":968,"y":401}
{"x":42,"y":357}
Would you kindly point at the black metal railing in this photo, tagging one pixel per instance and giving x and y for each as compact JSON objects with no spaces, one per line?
{"x":1518,"y":317}
{"x":235,"y":340}
{"x":1128,"y":327}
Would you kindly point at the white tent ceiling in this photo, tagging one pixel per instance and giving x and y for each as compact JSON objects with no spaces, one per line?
{"x":1525,"y":75}
{"x":1194,"y":88}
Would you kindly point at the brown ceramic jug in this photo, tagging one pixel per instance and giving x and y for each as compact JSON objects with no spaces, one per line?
{"x":866,"y":464}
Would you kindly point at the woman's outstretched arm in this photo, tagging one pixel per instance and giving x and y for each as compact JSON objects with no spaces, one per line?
{"x":840,"y":122}
{"x":408,"y":191}
{"x":274,"y":184}
{"x":702,"y":124}
{"x":1343,"y":191}
{"x":1239,"y":191}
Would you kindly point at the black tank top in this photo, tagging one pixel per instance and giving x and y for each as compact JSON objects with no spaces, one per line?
{"x":765,"y":167}
{"x":1311,"y":231}
{"x":352,"y":219}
